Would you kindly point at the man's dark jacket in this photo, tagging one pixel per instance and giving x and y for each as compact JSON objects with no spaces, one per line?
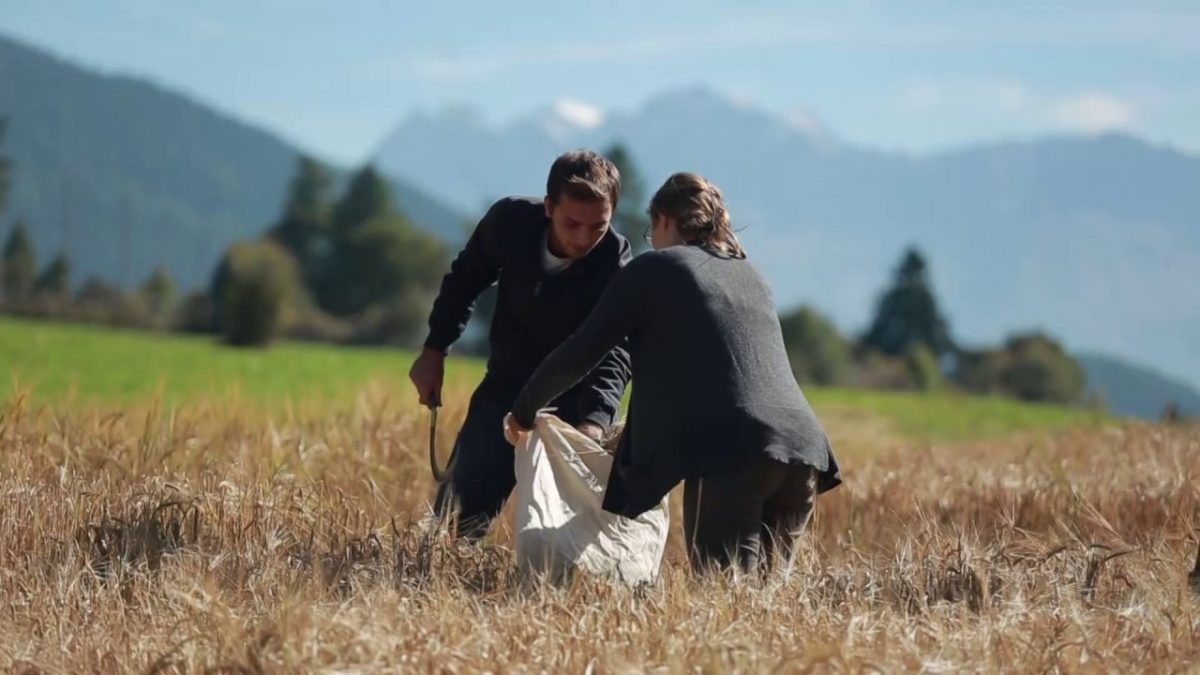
{"x":535,"y":310}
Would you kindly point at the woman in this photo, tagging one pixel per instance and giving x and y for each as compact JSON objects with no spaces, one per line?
{"x":714,"y":401}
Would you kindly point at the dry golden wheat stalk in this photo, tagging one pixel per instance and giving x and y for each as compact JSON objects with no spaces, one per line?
{"x":209,"y":538}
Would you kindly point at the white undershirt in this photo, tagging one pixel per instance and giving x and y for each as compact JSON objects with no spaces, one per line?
{"x":551,"y":263}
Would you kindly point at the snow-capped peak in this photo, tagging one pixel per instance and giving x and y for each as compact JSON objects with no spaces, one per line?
{"x":579,"y":113}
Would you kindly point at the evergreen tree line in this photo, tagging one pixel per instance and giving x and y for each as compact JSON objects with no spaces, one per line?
{"x":355,"y":269}
{"x":26,"y":291}
{"x":909,"y":345}
{"x":347,"y":269}
{"x":352,"y":269}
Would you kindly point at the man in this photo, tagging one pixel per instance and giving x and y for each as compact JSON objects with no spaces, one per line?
{"x":553,"y":258}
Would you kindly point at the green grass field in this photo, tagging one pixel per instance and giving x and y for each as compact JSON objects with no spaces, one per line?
{"x":68,"y":365}
{"x":64,"y":363}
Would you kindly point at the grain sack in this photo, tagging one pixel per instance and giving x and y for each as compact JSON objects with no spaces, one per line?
{"x":560,"y":527}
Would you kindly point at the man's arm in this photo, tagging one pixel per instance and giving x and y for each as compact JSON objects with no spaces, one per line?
{"x":601,"y":391}
{"x":476,"y":267}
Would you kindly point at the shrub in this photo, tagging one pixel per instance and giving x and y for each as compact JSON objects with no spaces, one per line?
{"x":256,"y":286}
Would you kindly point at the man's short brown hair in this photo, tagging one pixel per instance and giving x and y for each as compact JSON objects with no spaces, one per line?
{"x":583,"y":174}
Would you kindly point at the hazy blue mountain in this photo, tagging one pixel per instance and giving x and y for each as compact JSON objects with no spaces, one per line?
{"x":1133,"y":390}
{"x":125,"y":175}
{"x":1095,"y":239}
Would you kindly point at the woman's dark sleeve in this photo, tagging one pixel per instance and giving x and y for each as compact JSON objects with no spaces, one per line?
{"x":616,"y":316}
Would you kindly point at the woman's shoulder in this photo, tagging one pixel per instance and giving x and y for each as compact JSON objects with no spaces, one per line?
{"x":675,"y":256}
{"x":675,"y":263}
{"x":688,"y":261}
{"x":660,"y":260}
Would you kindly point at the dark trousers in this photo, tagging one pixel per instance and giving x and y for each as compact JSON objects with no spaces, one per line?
{"x":748,"y":517}
{"x":483,"y":469}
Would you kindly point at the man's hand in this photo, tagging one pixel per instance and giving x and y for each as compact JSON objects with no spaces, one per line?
{"x":427,"y":374}
{"x":592,"y":430}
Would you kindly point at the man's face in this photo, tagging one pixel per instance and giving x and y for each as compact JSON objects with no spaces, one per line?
{"x":577,"y":225}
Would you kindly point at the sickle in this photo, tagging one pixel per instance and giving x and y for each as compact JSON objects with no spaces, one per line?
{"x":440,"y":474}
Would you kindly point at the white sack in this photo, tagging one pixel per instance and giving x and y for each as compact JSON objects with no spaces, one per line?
{"x":561,"y":475}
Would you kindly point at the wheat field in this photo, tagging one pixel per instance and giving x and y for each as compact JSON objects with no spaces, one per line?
{"x":212,"y":537}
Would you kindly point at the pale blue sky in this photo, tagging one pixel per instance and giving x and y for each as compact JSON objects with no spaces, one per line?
{"x":919,"y":76}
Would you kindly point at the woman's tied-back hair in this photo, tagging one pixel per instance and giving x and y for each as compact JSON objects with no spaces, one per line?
{"x":698,"y":209}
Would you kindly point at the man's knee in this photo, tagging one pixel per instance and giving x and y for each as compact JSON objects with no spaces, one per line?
{"x":473,"y":497}
{"x":484,"y":469}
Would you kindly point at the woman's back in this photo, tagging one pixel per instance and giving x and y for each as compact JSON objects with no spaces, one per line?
{"x":709,"y":339}
{"x":712,"y":386}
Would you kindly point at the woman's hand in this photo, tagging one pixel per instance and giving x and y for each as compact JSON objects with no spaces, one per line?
{"x":513,"y":429}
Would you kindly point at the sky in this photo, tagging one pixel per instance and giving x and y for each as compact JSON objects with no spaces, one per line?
{"x":336,"y":77}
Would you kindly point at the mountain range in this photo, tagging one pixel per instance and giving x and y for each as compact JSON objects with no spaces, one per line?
{"x":1133,"y":390}
{"x":1093,"y":239}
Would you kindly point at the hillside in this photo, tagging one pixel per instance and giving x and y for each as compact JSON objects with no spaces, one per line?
{"x":125,"y":174}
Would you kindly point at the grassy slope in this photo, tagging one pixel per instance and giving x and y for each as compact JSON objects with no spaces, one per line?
{"x":82,"y":364}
